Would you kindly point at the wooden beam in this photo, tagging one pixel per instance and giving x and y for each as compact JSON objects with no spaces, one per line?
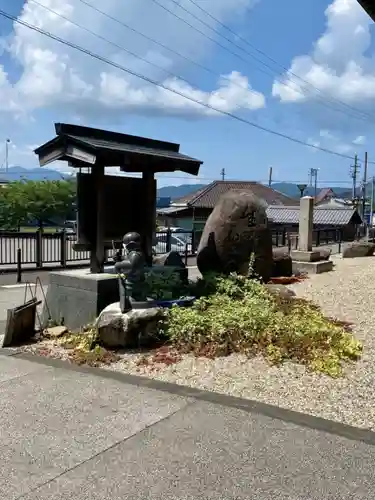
{"x":149,"y":225}
{"x":97,"y":254}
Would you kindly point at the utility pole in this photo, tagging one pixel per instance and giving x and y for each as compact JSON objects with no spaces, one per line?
{"x":7,"y":155}
{"x":364,"y":188}
{"x":372,"y":201}
{"x":270,"y":177}
{"x":222,"y":173}
{"x":354,"y":169}
{"x":313,"y":174}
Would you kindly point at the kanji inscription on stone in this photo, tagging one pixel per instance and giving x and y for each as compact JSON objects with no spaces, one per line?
{"x":251,"y":220}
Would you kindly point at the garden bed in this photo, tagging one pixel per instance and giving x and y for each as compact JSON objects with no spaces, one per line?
{"x":347,"y":294}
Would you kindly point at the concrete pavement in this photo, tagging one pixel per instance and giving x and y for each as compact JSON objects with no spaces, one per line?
{"x":86,"y":434}
{"x":15,"y":296}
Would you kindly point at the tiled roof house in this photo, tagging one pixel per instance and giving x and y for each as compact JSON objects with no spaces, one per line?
{"x":208,"y":196}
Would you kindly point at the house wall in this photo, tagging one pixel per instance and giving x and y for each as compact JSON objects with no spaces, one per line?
{"x":185,"y":223}
{"x":190,"y":220}
{"x":200,"y":217}
{"x":196,"y":222}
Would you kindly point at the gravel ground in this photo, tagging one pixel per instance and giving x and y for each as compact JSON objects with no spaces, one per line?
{"x":347,"y":293}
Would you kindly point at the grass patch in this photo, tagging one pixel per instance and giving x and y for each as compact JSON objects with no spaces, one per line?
{"x":238,"y":315}
{"x":33,"y":229}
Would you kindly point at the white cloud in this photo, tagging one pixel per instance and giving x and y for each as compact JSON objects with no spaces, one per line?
{"x":55,"y":76}
{"x":335,"y":141}
{"x":360,"y":140}
{"x":326,"y":134}
{"x":338,"y":64}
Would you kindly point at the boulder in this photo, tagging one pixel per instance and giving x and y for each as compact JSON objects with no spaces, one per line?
{"x":358,"y":249}
{"x":131,"y":329}
{"x":236,"y":232}
{"x":282,"y":263}
{"x":171,"y":260}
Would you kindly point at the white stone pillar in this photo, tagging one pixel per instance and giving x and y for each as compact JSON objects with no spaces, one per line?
{"x":306,"y":214}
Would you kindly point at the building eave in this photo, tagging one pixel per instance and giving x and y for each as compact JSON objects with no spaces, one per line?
{"x":369,"y":7}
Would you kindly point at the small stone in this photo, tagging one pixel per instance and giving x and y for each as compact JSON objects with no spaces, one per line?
{"x":55,"y":332}
{"x":280,"y":291}
{"x":325,"y":253}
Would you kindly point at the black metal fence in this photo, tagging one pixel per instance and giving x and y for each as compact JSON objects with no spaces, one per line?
{"x":320,"y":237}
{"x":56,"y":249}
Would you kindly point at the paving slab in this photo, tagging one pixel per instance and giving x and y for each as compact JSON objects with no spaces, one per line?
{"x":208,"y":451}
{"x":53,"y":419}
{"x":12,"y":297}
{"x":88,"y":434}
{"x":11,"y":368}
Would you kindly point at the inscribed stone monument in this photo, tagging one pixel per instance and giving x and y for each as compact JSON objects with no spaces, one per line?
{"x":236,"y":230}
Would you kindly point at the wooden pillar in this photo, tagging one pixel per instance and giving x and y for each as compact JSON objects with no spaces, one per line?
{"x":97,"y":253}
{"x":149,"y":225}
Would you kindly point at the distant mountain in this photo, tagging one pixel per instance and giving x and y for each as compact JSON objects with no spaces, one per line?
{"x":38,"y":174}
{"x":32,"y":174}
{"x":175,"y":192}
{"x":292,"y":190}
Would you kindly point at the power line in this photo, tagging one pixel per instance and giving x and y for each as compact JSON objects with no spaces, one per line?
{"x":209,"y":70}
{"x":239,"y":37}
{"x":97,"y":35}
{"x":165,"y":87}
{"x":186,"y":177}
{"x":247,"y":52}
{"x":100,"y":37}
{"x":156,"y":42}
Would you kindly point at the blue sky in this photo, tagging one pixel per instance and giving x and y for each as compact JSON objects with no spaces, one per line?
{"x":309,"y":72}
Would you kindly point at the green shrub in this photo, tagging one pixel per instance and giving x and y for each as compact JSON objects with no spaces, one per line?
{"x":239,"y":315}
{"x":164,"y":285}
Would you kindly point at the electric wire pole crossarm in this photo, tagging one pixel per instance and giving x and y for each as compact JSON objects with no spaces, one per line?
{"x":372,"y":202}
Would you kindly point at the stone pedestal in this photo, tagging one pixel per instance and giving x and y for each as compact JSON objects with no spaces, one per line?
{"x":301,"y":256}
{"x":76,"y":297}
{"x":319,"y":267}
{"x":305,"y":260}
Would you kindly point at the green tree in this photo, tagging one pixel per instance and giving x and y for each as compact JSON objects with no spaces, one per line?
{"x":22,"y":202}
{"x":12,"y":213}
